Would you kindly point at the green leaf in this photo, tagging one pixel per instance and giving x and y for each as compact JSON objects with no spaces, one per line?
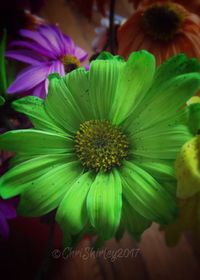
{"x":35,"y":142}
{"x":3,"y":82}
{"x":2,"y":100}
{"x":146,"y":195}
{"x":72,"y":211}
{"x":11,"y":72}
{"x":104,"y":202}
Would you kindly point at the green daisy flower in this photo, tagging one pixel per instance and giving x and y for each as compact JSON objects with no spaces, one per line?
{"x":103,"y":145}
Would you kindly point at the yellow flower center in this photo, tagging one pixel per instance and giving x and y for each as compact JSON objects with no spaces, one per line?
{"x":162,"y":21}
{"x":100,"y":146}
{"x":70,"y":63}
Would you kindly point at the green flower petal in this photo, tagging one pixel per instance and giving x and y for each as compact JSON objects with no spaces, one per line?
{"x":103,"y":79}
{"x":175,"y":66}
{"x":33,"y":107}
{"x":20,"y":158}
{"x":14,"y":181}
{"x":135,"y":79}
{"x":194,"y":117}
{"x":77,"y":83}
{"x":134,"y":125}
{"x":160,"y":144}
{"x":169,"y":186}
{"x":172,"y":96}
{"x":165,"y":73}
{"x":72,"y":211}
{"x":134,"y":222}
{"x":62,"y":106}
{"x":44,"y":194}
{"x":35,"y":142}
{"x":146,"y":195}
{"x":104,"y":203}
{"x":108,"y":56}
{"x":120,"y":230}
{"x":160,"y":170}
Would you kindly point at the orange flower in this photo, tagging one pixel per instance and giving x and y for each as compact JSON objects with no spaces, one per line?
{"x":136,"y":3}
{"x":163,"y":28}
{"x":191,"y":5}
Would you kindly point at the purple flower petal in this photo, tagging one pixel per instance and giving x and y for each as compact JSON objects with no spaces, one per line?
{"x":29,"y":78}
{"x":37,"y":37}
{"x":40,"y":90}
{"x":58,"y":67}
{"x":87,"y":67}
{"x":25,"y":56}
{"x":60,"y":38}
{"x":51,"y":37}
{"x":7,"y":209}
{"x":4,"y":229}
{"x":34,"y":47}
{"x":69,"y":44}
{"x":42,"y":49}
{"x":72,"y":49}
{"x":80,"y":53}
{"x":46,"y":86}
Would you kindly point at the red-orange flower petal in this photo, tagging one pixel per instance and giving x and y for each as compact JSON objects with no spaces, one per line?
{"x":191,"y":5}
{"x":133,"y":36}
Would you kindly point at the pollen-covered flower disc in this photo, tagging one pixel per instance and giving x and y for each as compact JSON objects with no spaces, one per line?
{"x":103,"y":145}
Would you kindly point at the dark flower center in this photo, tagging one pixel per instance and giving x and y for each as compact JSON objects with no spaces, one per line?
{"x":162,"y":21}
{"x":70,"y":63}
{"x":100,"y":146}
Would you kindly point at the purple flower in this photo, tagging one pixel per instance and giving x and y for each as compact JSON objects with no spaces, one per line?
{"x":7,"y":211}
{"x":47,"y":50}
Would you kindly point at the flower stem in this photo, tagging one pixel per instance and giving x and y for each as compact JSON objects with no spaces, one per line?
{"x":42,"y":273}
{"x":111,"y":34}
